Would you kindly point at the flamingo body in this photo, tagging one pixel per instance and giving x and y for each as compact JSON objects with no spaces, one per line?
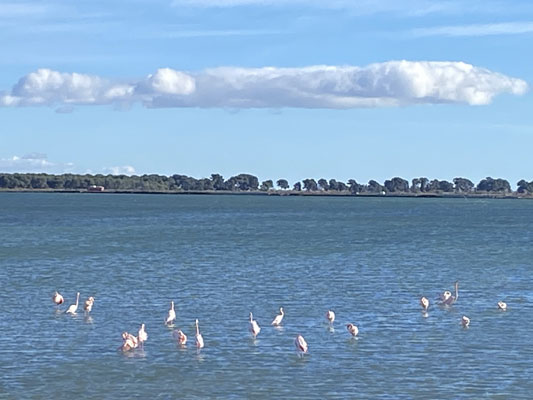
{"x":502,"y":306}
{"x":88,"y":304}
{"x":171,"y":316}
{"x":279,"y":317}
{"x":300,"y":344}
{"x":254,"y":326}
{"x":424,"y":302}
{"x":182,"y":338}
{"x":352,"y":329}
{"x":57,"y":299}
{"x":330,"y":316}
{"x":142,"y":335}
{"x":447,"y":298}
{"x":74,"y":307}
{"x":199,"y":338}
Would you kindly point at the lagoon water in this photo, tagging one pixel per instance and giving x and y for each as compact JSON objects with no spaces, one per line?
{"x":221,"y":256}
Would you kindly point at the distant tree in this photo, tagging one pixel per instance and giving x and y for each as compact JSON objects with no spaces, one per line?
{"x":415,"y":185}
{"x":297,"y":187}
{"x":463,"y":185}
{"x":397,"y":185}
{"x":333,"y":184}
{"x":283,"y":184}
{"x":266,"y":185}
{"x":524,"y":186}
{"x":39,"y":182}
{"x":493,"y":185}
{"x":355,"y":187}
{"x":323,"y":183}
{"x":217,"y":182}
{"x":424,"y":182}
{"x":310,"y":185}
{"x":243,"y":182}
{"x":341,"y":187}
{"x":374,"y":187}
{"x":445,"y":186}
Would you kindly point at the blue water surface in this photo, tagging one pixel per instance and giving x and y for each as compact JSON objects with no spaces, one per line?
{"x":220,"y":257}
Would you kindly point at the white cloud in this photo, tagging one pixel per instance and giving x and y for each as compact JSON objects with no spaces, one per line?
{"x":506,"y":28}
{"x":120,"y":170}
{"x":33,"y":162}
{"x":392,"y":83}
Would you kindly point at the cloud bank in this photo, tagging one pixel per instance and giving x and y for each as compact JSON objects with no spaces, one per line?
{"x":393,"y":83}
{"x":33,"y":162}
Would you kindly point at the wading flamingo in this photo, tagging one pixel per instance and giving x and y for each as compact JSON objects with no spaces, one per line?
{"x":279,"y":318}
{"x":57,"y":299}
{"x":301,"y":345}
{"x":502,"y":306}
{"x":142,"y":336}
{"x":447,"y":298}
{"x":465,"y":321}
{"x":199,"y":338}
{"x":424,"y":302}
{"x":180,"y":337}
{"x":74,"y":307}
{"x":330,"y":316}
{"x":254,"y":326}
{"x":88,"y":304}
{"x":352,"y":329}
{"x":171,"y":316}
{"x":129,"y":341}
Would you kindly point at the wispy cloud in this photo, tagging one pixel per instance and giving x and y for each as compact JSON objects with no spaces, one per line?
{"x":169,"y":33}
{"x":504,"y":28}
{"x":392,"y":83}
{"x":120,"y":170}
{"x":34,"y":162}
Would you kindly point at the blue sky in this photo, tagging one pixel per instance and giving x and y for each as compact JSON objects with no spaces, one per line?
{"x":277,"y":88}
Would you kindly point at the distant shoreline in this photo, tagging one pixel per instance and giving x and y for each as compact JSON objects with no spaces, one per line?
{"x":282,"y":193}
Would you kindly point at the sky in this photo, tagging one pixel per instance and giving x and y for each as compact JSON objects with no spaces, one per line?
{"x":293,"y":89}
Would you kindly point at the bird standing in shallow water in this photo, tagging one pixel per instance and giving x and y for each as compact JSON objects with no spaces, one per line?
{"x":180,"y":337}
{"x":465,"y":321}
{"x":352,"y":329}
{"x":88,"y":304}
{"x":279,"y":318}
{"x":142,"y":336}
{"x":57,"y":299}
{"x":199,"y":338}
{"x":171,"y":316}
{"x":330,"y":316}
{"x":502,"y":306}
{"x":74,"y":307}
{"x":254,"y":326}
{"x":447,"y":298}
{"x":424,"y":302}
{"x":301,"y":345}
{"x":130,"y":342}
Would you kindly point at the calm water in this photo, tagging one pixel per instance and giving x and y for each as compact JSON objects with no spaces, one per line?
{"x":220,"y":257}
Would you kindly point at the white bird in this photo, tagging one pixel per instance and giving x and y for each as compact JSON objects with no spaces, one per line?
{"x":142,"y":336}
{"x":447,"y":298}
{"x":57,"y":299}
{"x":130,"y":342}
{"x":279,"y":318}
{"x":352,"y":329}
{"x":502,"y":306}
{"x":171,"y":316}
{"x":74,"y":307}
{"x":424,"y":302}
{"x":254,"y":326}
{"x":88,"y":304}
{"x":330,"y":316}
{"x":180,"y":337}
{"x":301,"y":345}
{"x":199,"y":338}
{"x":465,"y":321}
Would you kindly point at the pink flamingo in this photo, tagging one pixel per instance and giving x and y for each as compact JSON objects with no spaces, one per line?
{"x":301,"y":345}
{"x":330,"y":316}
{"x":424,"y":302}
{"x":88,"y":304}
{"x":199,"y":338}
{"x":57,"y":299}
{"x":171,"y":316}
{"x":352,"y":329}
{"x":142,"y":335}
{"x":254,"y":326}
{"x":74,"y":307}
{"x":279,"y":317}
{"x":181,"y":337}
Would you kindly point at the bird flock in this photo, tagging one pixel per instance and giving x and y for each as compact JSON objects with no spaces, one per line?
{"x":131,"y":342}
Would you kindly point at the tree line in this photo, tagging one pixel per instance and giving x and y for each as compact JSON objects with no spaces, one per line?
{"x":250,"y":183}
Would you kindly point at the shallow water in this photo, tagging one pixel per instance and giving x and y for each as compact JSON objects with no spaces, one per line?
{"x":220,"y":257}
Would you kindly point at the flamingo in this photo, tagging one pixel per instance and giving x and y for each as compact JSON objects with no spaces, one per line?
{"x":180,"y":337}
{"x":171,"y":316}
{"x":279,"y":318}
{"x":465,"y":321}
{"x":447,"y":298}
{"x":199,"y":338}
{"x":129,"y":341}
{"x":301,"y":345}
{"x":57,"y":299}
{"x":330,"y":316}
{"x":73,"y":307}
{"x":352,"y":329}
{"x":142,"y":335}
{"x":254,"y":326}
{"x":424,"y":302}
{"x":89,"y":304}
{"x":502,"y":306}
